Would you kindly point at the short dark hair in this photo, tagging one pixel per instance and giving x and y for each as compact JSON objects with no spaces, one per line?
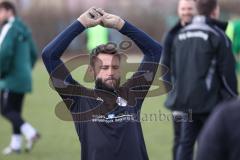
{"x":206,"y":7}
{"x":109,"y":48}
{"x":8,"y":6}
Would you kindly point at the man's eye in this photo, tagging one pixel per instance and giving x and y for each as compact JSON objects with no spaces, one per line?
{"x":104,"y":67}
{"x":115,"y":67}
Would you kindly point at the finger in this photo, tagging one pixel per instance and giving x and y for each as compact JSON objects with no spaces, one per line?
{"x":100,"y":11}
{"x":91,"y":15}
{"x":89,"y":11}
{"x":94,"y":14}
{"x":97,"y":13}
{"x":99,"y":21}
{"x":92,"y":8}
{"x":105,"y":16}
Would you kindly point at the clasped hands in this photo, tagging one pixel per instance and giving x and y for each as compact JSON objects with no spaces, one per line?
{"x":97,"y":16}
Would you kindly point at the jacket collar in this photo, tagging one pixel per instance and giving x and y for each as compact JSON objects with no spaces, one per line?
{"x":220,"y":24}
{"x":203,"y":19}
{"x":11,"y":19}
{"x":8,"y":21}
{"x":176,"y":28}
{"x":199,"y":19}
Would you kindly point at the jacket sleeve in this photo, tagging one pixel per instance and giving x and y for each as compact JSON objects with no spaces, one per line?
{"x":59,"y":74}
{"x":33,"y":50}
{"x":226,"y":68}
{"x":166,"y":56}
{"x":7,"y":52}
{"x":52,"y":53}
{"x":151,"y":49}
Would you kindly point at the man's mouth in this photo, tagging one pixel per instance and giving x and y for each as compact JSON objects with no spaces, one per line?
{"x":111,"y":82}
{"x":110,"y":79}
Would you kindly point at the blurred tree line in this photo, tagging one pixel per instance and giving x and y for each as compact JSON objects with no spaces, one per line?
{"x":47,"y":18}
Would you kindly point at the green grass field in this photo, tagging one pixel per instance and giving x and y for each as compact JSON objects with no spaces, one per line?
{"x":59,"y":140}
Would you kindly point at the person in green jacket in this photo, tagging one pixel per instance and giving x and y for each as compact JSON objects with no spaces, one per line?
{"x":17,"y":58}
{"x":233,"y":32}
{"x":96,"y":36}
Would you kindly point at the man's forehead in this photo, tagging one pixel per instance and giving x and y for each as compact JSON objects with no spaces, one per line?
{"x":107,"y":59}
{"x":183,"y":3}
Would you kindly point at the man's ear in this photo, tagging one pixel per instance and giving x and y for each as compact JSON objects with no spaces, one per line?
{"x":216,"y":13}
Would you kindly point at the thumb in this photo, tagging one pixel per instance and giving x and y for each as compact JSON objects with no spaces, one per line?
{"x":98,"y":21}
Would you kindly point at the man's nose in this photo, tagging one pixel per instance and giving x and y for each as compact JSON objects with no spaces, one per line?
{"x":110,"y":71}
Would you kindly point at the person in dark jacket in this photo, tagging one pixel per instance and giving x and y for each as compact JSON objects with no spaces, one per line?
{"x":186,"y":11}
{"x":203,"y":73}
{"x":111,"y":132}
{"x":220,"y":137}
{"x":17,"y":58}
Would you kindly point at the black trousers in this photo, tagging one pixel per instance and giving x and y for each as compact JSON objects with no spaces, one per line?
{"x":188,"y":136}
{"x":177,"y":132}
{"x":11,"y":109}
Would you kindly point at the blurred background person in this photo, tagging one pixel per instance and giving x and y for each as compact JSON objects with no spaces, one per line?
{"x":204,"y":71}
{"x":186,"y":11}
{"x":96,"y":36}
{"x":17,"y":58}
{"x":220,"y":137}
{"x":233,"y":31}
